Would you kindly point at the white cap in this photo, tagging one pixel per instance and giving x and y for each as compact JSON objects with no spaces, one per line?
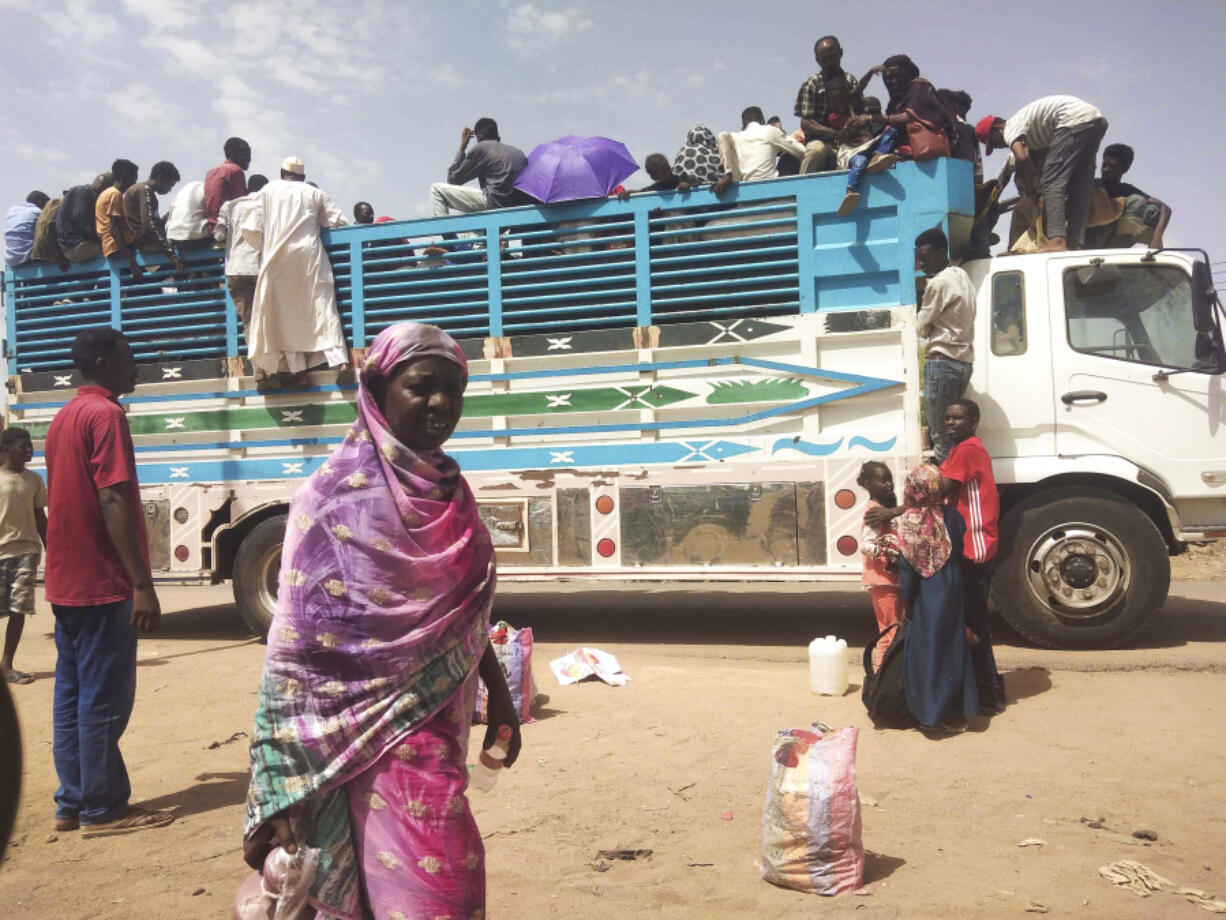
{"x":293,"y":165}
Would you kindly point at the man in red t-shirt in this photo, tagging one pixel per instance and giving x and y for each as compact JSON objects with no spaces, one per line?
{"x":968,"y":484}
{"x":226,"y":182}
{"x":100,"y":589}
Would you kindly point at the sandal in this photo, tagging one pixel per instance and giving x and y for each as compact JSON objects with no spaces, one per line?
{"x":881,"y":162}
{"x":19,"y":677}
{"x":64,"y":825}
{"x":138,"y":819}
{"x":850,"y":200}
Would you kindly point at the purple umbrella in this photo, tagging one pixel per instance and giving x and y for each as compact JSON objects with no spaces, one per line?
{"x":573,"y":167}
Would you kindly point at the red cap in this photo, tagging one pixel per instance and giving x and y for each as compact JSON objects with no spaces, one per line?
{"x":383,"y":218}
{"x":983,"y":130}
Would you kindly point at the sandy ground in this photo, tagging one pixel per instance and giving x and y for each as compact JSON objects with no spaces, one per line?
{"x":677,"y":760}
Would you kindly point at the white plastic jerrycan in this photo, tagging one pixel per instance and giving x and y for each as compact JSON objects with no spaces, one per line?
{"x":828,"y":666}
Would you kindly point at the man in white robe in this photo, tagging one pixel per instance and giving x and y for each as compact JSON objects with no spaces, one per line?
{"x":294,"y":320}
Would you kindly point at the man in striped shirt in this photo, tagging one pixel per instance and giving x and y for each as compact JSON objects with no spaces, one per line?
{"x":968,"y":484}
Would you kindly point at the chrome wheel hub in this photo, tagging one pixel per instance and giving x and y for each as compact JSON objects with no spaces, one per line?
{"x":1078,"y":569}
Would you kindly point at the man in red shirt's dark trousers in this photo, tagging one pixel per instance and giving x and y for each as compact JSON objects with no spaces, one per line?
{"x":968,"y":484}
{"x":228,"y":181}
{"x":100,"y":588}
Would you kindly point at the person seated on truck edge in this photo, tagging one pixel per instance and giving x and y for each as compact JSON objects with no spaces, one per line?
{"x":947,"y":320}
{"x":1144,"y":219}
{"x":76,"y":222}
{"x":363,"y":213}
{"x":859,"y":147}
{"x":19,"y":225}
{"x":698,"y":158}
{"x":966,"y":145}
{"x":912,"y":99}
{"x":140,"y":209}
{"x":1065,"y":132}
{"x":228,"y":181}
{"x":242,"y":260}
{"x":185,"y":220}
{"x":785,"y":163}
{"x":749,"y":154}
{"x":663,"y":178}
{"x":112,"y":225}
{"x":46,"y":245}
{"x":294,"y":321}
{"x":492,"y":163}
{"x":812,"y":105}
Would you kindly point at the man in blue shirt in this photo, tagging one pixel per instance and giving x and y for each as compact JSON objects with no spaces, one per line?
{"x":19,"y":227}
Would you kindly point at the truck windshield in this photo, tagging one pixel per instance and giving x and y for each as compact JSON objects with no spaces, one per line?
{"x":1140,"y":313}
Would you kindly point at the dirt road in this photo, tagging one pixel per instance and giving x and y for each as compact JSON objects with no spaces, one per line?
{"x":677,"y":760}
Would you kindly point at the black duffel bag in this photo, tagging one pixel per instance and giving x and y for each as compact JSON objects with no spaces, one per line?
{"x":884,"y":694}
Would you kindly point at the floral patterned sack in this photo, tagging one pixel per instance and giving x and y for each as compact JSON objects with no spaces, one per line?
{"x":811,"y":823}
{"x":514,"y":650}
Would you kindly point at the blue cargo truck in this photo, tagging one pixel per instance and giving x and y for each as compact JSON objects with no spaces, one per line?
{"x":682,"y":387}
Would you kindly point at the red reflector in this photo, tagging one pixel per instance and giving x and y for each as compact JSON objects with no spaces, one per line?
{"x":182,"y":552}
{"x":847,"y":545}
{"x":604,"y":504}
{"x":844,"y":498}
{"x":606,"y":547}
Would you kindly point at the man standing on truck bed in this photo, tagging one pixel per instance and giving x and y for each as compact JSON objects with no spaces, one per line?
{"x":242,"y":259}
{"x":947,"y":320}
{"x":294,"y":322}
{"x":492,"y":163}
{"x":100,"y":589}
{"x":1063,"y":132}
{"x":226,"y":182}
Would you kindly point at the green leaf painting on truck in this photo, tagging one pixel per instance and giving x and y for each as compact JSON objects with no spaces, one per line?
{"x":762,"y":389}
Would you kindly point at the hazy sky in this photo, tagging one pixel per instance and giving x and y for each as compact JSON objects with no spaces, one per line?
{"x":373,"y":93}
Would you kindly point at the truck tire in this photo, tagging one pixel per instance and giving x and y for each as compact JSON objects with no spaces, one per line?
{"x":257,"y":567}
{"x":1080,"y":568}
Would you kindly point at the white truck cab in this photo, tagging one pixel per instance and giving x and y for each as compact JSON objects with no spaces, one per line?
{"x":1099,"y":375}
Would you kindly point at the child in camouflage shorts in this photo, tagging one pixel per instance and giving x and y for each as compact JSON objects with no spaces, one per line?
{"x":23,"y":532}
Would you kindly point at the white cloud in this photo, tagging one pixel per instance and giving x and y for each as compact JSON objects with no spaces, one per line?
{"x":532,"y":30}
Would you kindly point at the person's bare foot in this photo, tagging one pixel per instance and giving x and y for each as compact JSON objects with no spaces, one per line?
{"x":135,"y":819}
{"x":1055,"y":244}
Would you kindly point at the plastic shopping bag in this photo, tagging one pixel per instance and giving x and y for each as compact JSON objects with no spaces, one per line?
{"x":811,"y":823}
{"x":513,"y":648}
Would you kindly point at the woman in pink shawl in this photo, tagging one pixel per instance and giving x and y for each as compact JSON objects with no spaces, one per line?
{"x":382,"y":623}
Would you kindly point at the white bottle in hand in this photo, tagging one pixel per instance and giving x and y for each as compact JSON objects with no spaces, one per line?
{"x":490,"y":761}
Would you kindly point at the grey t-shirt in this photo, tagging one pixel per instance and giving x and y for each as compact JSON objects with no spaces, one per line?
{"x":496,"y":166}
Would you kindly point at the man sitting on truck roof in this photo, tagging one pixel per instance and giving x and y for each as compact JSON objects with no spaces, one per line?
{"x":663,"y":178}
{"x":140,"y":209}
{"x":1064,"y":132}
{"x":947,"y":320}
{"x":19,"y":227}
{"x":228,"y":181}
{"x":812,"y":106}
{"x":109,"y":217}
{"x":76,"y":222}
{"x":1144,"y":219}
{"x":492,"y":163}
{"x":749,"y":154}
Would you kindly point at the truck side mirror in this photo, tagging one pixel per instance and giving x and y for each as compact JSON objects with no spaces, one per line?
{"x":1210,"y":353}
{"x":1203,"y":297}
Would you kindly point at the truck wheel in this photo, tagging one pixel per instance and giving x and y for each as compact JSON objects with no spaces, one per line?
{"x":257,"y":568}
{"x":1080,"y":568}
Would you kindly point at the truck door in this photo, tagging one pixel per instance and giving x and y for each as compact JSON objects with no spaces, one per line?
{"x":1124,"y":322}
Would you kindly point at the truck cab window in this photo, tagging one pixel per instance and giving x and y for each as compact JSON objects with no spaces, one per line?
{"x":1138,"y":313}
{"x":1008,"y":314}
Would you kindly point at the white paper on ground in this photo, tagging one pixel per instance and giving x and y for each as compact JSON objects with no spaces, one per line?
{"x":586,"y":662}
